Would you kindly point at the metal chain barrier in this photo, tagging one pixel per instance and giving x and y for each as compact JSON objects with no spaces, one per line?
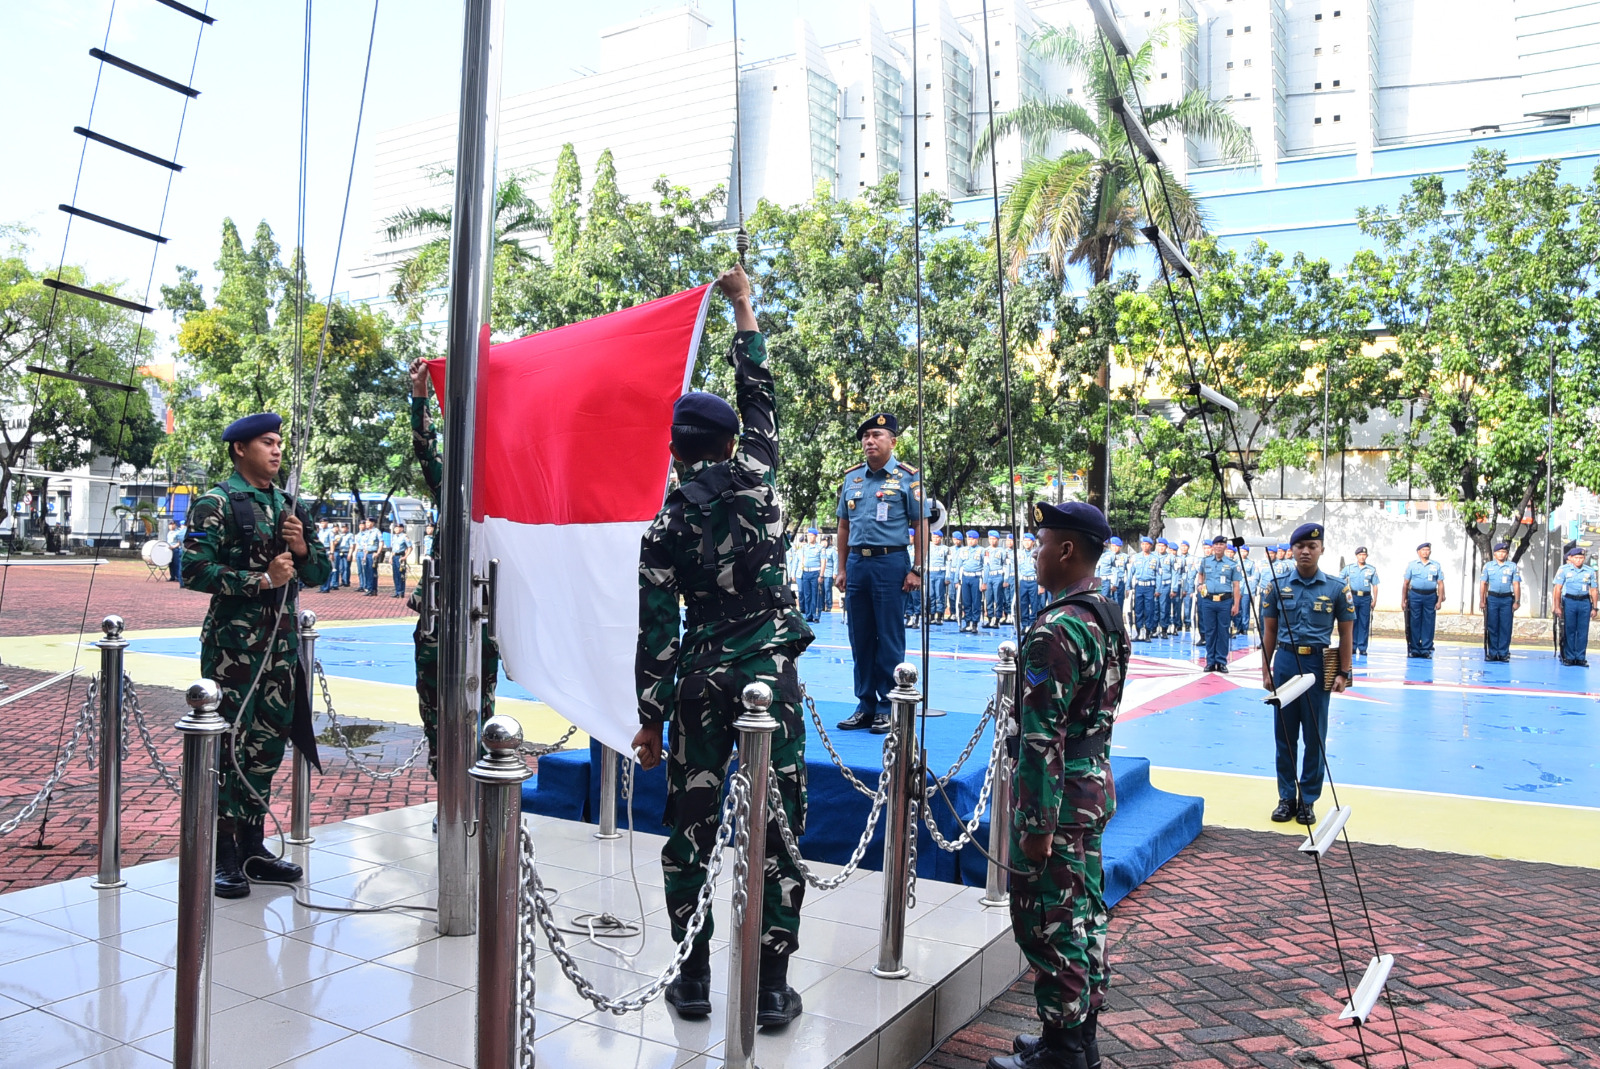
{"x":969,"y":828}
{"x":827,"y":744}
{"x":135,"y":711}
{"x":983,"y":723}
{"x":528,"y":944}
{"x":87,"y":718}
{"x":741,"y":853}
{"x":349,"y":752}
{"x":791,"y":842}
{"x":911,"y":847}
{"x":540,"y":749}
{"x":536,"y":901}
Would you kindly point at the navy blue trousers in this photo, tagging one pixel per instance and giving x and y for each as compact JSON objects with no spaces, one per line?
{"x":1144,"y":608}
{"x":343,"y":565}
{"x":876,"y":605}
{"x":1214,"y":630}
{"x":1306,"y":716}
{"x":1185,"y":609}
{"x":1575,"y":638}
{"x":810,"y":592}
{"x":1497,"y":626}
{"x":935,"y":597}
{"x":1363,"y":624}
{"x":1241,"y":619}
{"x":971,"y":599}
{"x":1423,"y":609}
{"x":397,"y":572}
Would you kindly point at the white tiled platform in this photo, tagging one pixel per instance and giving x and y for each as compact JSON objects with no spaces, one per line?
{"x":86,"y":976}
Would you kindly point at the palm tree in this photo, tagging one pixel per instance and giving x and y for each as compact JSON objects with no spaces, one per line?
{"x":1085,"y":206}
{"x":515,"y":213}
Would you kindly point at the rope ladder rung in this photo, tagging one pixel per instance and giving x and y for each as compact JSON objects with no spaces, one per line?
{"x":113,"y":224}
{"x":123,"y":146}
{"x":143,"y":72}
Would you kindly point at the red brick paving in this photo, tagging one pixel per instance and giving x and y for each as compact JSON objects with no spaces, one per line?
{"x":50,"y":601}
{"x":1224,"y":959}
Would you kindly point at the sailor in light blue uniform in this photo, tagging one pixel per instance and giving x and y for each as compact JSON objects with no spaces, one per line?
{"x":1576,"y":592}
{"x":951,"y":609}
{"x":1421,"y":594}
{"x":1250,"y":584}
{"x":1166,"y":578}
{"x":1217,"y":586}
{"x":913,"y":598}
{"x":810,"y":576}
{"x":1118,"y":569}
{"x":830,"y":568}
{"x":1028,"y":601}
{"x":1298,"y":617}
{"x":1186,"y":566}
{"x":971,"y":583}
{"x":938,"y":558}
{"x":1499,"y":595}
{"x":1107,"y":566}
{"x":994,"y":565}
{"x":1362,"y":579}
{"x":1142,"y":574}
{"x":1008,"y":563}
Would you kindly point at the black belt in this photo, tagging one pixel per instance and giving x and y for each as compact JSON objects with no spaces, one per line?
{"x":1414,"y":590}
{"x":1362,"y":593}
{"x":1216,"y":597}
{"x":727,"y":606}
{"x":1576,"y":597}
{"x":1304,"y":651}
{"x":1088,"y":746}
{"x":1498,"y":594}
{"x":876,"y":551}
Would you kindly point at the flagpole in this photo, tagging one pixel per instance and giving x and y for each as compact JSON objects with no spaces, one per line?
{"x":471,"y":270}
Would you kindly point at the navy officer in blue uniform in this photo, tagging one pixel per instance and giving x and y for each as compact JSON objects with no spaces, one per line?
{"x":1577,"y":595}
{"x":1217,"y":580}
{"x":1421,"y":594}
{"x":1362,"y":579}
{"x":1499,"y":596}
{"x":1298,"y":615}
{"x":880,"y":501}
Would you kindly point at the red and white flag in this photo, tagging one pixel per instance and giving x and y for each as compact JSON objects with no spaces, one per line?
{"x":572,"y":468}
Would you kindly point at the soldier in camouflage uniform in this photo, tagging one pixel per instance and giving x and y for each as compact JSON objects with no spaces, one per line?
{"x":246,"y":547}
{"x":718,"y":542}
{"x":427,"y":646}
{"x":1072,"y":665}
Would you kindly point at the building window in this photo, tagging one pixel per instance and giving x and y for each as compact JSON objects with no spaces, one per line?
{"x":1317,"y":121}
{"x":1069,"y":92}
{"x":1318,"y":85}
{"x":1247,"y":29}
{"x":1317,"y":17}
{"x":863,"y":155}
{"x":1247,"y":63}
{"x":1336,"y":83}
{"x":1337,"y":49}
{"x":1164,"y":73}
{"x":1230,"y":64}
{"x":1316,"y":51}
{"x":863,"y":126}
{"x":1230,"y":31}
{"x":1247,"y":96}
{"x":861,"y":183}
{"x":1336,"y":118}
{"x":1336,"y":12}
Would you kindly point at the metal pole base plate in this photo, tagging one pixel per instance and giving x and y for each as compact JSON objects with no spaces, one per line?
{"x":292,"y":841}
{"x":98,"y":886}
{"x":891,"y":974}
{"x":1003,"y":900}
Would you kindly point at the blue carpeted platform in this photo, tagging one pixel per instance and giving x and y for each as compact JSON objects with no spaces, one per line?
{"x":1150,"y":826}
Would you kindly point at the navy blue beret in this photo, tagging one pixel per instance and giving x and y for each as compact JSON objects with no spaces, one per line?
{"x":706,"y":411}
{"x":1072,"y":516}
{"x":882,"y":421}
{"x":1361,"y":549}
{"x":1220,"y":540}
{"x":1575,"y":550}
{"x":1424,"y":545}
{"x":1498,"y":546}
{"x":251,"y":427}
{"x":1306,"y":531}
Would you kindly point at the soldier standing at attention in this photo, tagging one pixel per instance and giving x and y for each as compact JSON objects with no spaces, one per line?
{"x":830,"y":568}
{"x":1421,"y":594}
{"x":1028,"y":575}
{"x":718,"y":542}
{"x":938,"y":558}
{"x":425,"y":648}
{"x":810,"y":576}
{"x":1186,"y":598}
{"x":1073,"y":662}
{"x":878,"y":503}
{"x":248,"y":548}
{"x":1118,"y":571}
{"x":952,"y":578}
{"x":399,"y":553}
{"x":1308,"y":603}
{"x":971,"y":583}
{"x":1217,"y":580}
{"x":1164,"y":573}
{"x":1142,"y":573}
{"x":990,"y":584}
{"x":1362,"y":579}
{"x":1499,"y":595}
{"x":1008,"y":593}
{"x":1249,"y":590}
{"x":1575,"y":595}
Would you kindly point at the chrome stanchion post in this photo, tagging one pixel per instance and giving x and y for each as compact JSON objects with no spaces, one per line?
{"x":744,"y":952}
{"x":202,"y":751}
{"x":499,"y":773}
{"x":897,"y":825}
{"x":111,"y":648}
{"x":1005,"y":726}
{"x":608,"y":795}
{"x":300,"y":771}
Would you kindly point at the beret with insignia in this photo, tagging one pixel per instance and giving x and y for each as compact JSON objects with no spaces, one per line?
{"x":1220,"y":540}
{"x":1361,"y":549}
{"x":251,"y":427}
{"x":1498,"y":546}
{"x":1424,"y":545}
{"x":706,"y":411}
{"x":1305,"y":532}
{"x":1575,"y":550}
{"x":1073,"y":516}
{"x":883,"y":421}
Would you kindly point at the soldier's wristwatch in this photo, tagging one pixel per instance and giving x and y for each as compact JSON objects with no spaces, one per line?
{"x":916,"y":570}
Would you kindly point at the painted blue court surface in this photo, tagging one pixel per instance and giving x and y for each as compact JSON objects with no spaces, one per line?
{"x":1524,"y":731}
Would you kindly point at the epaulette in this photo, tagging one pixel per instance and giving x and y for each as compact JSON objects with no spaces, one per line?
{"x":909,"y":468}
{"x":858,"y":467}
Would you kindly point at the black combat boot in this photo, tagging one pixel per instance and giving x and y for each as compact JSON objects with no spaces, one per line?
{"x":776,"y":1002}
{"x":690,"y":993}
{"x":1091,"y":1044}
{"x":229,"y":882}
{"x":259,"y":863}
{"x":1058,"y":1048}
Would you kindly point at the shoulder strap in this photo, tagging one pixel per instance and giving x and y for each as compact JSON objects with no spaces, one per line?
{"x":244,"y":514}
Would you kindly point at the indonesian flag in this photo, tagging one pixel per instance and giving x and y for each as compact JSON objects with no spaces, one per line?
{"x":572,"y":465}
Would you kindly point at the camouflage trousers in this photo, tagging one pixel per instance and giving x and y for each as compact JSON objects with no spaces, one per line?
{"x":1058,"y":915}
{"x":256,"y":747}
{"x":702,"y":743}
{"x":426,"y":654}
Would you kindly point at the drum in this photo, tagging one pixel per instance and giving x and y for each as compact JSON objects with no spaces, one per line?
{"x":156,"y":553}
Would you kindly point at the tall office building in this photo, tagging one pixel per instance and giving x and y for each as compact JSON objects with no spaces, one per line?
{"x":1332,"y":91}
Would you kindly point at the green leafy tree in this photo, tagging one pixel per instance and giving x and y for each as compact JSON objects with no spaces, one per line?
{"x":1490,"y":292}
{"x":1084,"y":206}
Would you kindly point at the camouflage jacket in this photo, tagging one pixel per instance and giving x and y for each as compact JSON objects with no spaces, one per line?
{"x":425,"y":449}
{"x":1071,"y":683}
{"x":217,"y":562}
{"x":673,"y":554}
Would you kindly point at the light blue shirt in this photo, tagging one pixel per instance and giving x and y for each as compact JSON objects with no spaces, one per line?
{"x":1216,"y":576}
{"x":1360,"y":578}
{"x":811,"y":556}
{"x":996,"y":564}
{"x":1423,"y":575}
{"x":400,"y":545}
{"x":1028,"y":564}
{"x":1575,"y":582}
{"x":830,"y":561}
{"x":1307,"y":608}
{"x":1500,"y":576}
{"x":881,"y":505}
{"x":938,"y":554}
{"x":1144,"y":569}
{"x":972,"y":561}
{"x":952,"y":560}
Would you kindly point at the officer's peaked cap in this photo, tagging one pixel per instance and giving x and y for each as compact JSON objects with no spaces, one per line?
{"x":251,"y":427}
{"x":882,"y":421}
{"x":1072,"y":516}
{"x":706,"y":411}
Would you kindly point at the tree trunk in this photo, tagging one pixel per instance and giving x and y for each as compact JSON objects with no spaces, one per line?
{"x":1095,"y":479}
{"x":1158,"y":506}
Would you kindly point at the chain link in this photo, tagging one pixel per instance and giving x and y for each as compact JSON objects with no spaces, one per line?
{"x":132,"y":708}
{"x":791,"y":843}
{"x":536,"y":901}
{"x":87,"y":718}
{"x":911,"y":847}
{"x":338,"y":731}
{"x":972,"y":743}
{"x":827,"y":744}
{"x":741,"y":855}
{"x":527,"y":949}
{"x":540,"y":749}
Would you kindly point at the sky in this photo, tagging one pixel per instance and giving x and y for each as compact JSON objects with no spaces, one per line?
{"x":240,"y":135}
